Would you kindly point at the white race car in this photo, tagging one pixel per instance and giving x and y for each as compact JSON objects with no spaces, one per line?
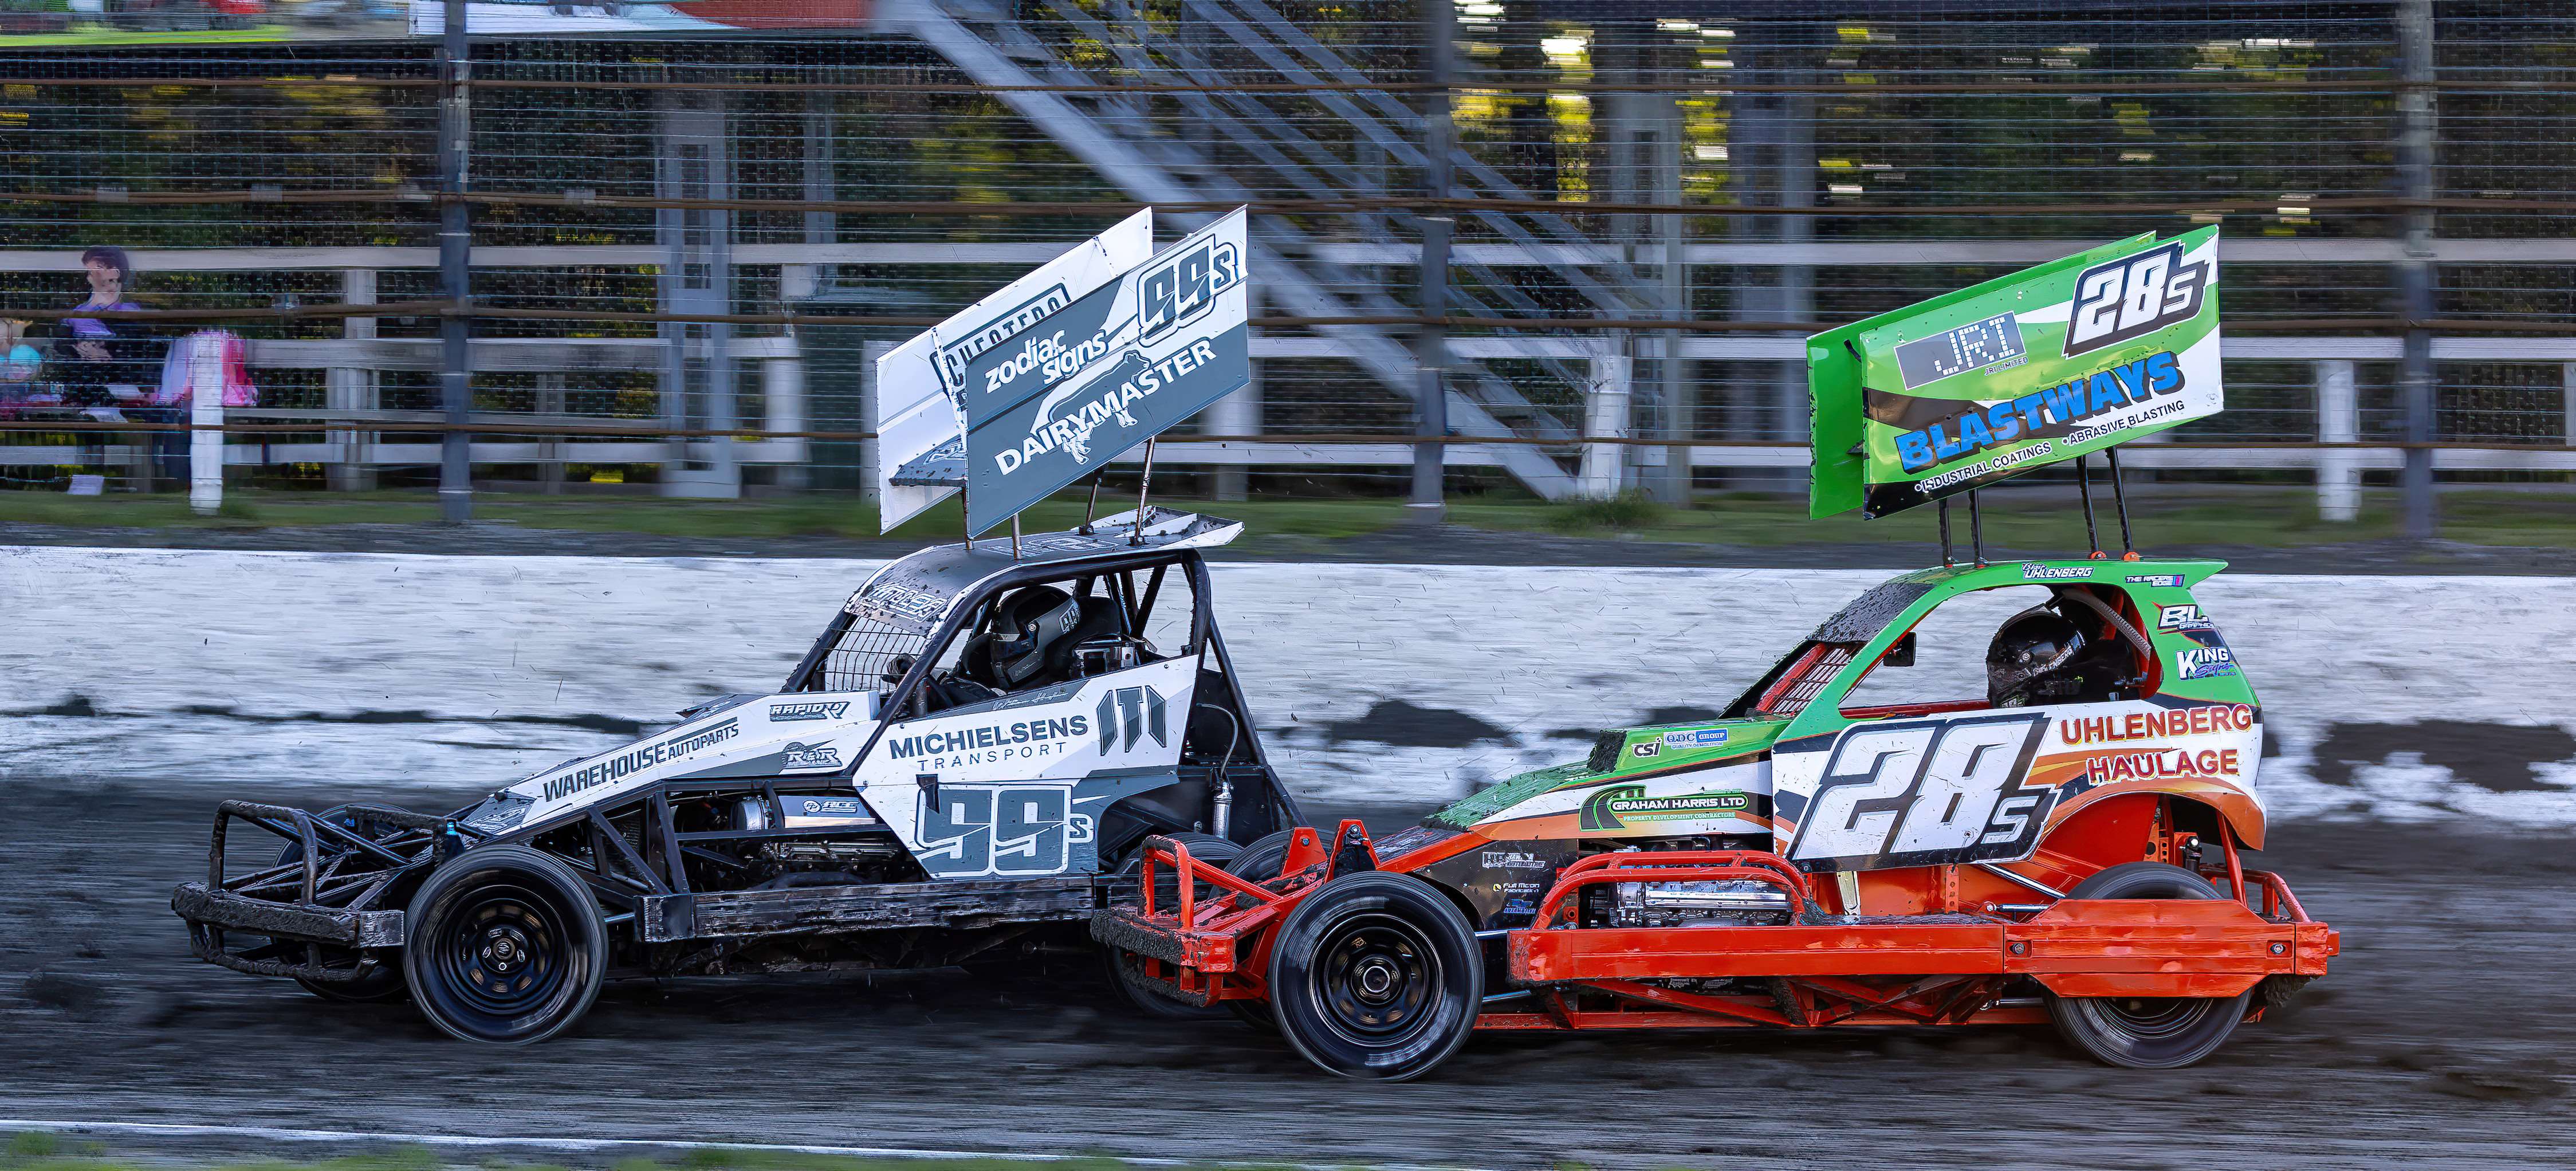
{"x":965,"y":762}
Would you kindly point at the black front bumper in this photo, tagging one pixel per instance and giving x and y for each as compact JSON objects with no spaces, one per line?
{"x":293,"y":929}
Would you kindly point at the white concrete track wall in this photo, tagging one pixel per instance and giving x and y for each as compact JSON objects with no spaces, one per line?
{"x":2387,"y":697}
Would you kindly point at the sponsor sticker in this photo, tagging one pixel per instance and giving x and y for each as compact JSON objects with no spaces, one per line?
{"x":2056,"y":572}
{"x":633,"y":760}
{"x":1695,"y":738}
{"x":1512,"y":860}
{"x":2204,"y":662}
{"x":2171,"y":581}
{"x":780,"y":713}
{"x":2199,"y":720}
{"x":831,"y":807}
{"x":1620,"y":807}
{"x":1646,"y":748}
{"x":2183,"y":617}
{"x":811,"y":756}
{"x":1030,"y":738}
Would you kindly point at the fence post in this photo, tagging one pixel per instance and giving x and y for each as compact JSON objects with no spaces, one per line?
{"x":455,"y":260}
{"x":1605,"y":416}
{"x":2567,"y":401}
{"x":1236,"y":414}
{"x":782,"y":398}
{"x":206,"y":421}
{"x":1431,"y":346}
{"x":353,"y":388}
{"x":1431,"y":396}
{"x":2415,"y":163}
{"x":2338,"y":421}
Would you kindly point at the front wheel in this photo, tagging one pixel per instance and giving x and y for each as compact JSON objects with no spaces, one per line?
{"x":506,"y":946}
{"x":384,"y":982}
{"x":1376,"y":976}
{"x":2147,"y":1032}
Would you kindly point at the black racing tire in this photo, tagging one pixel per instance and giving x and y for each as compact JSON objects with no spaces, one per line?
{"x":506,"y":946}
{"x":1259,"y":862}
{"x":2146,"y":1032}
{"x":1114,"y":964}
{"x":380,"y":986}
{"x":1376,"y":976}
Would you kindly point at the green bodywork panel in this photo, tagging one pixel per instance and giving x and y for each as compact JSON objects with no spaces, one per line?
{"x":2152,"y":585}
{"x":1742,"y":738}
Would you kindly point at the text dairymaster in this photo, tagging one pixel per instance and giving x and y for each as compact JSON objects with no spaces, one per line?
{"x":634,"y":760}
{"x":1057,"y":425}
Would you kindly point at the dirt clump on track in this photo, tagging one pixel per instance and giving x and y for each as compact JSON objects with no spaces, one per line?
{"x":2438,"y":1041}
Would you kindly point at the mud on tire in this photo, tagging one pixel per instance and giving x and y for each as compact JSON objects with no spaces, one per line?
{"x":2147,"y":1032}
{"x":506,"y":946}
{"x":1376,"y":976}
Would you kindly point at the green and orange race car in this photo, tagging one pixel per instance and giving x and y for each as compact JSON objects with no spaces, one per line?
{"x":2066,"y":847}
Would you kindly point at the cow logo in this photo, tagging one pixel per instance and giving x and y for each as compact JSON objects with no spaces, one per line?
{"x":1129,"y":714}
{"x":2120,"y":300}
{"x":811,"y":756}
{"x":780,"y":713}
{"x":1187,"y":287}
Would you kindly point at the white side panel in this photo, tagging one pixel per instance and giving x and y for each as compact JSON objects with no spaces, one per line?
{"x":808,"y":733}
{"x":1980,"y":786}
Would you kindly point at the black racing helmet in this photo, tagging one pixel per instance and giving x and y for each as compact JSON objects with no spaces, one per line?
{"x":1027,"y":623}
{"x":2029,"y":651}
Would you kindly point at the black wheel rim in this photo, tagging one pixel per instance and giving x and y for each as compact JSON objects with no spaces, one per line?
{"x":500,"y":956}
{"x":2152,"y":1019}
{"x":1376,"y":980}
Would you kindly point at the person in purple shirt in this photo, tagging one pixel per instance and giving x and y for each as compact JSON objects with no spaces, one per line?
{"x":104,"y":363}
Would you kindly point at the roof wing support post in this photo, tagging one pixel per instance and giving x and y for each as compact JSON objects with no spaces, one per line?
{"x":2084,"y":488}
{"x":1976,"y":530}
{"x":2120,"y":504}
{"x":1136,"y":532}
{"x":1945,"y":531}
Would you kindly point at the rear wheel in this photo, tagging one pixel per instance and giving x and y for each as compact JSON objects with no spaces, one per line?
{"x":2146,"y":1032}
{"x":506,"y":946}
{"x":1119,"y":967}
{"x":1376,"y":976}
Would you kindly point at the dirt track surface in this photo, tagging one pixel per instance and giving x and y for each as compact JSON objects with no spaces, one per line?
{"x":2440,"y":1040}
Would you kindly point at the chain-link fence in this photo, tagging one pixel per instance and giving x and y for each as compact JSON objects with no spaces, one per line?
{"x":685,"y":247}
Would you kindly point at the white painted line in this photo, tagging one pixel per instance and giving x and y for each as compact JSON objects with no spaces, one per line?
{"x":303,"y":1135}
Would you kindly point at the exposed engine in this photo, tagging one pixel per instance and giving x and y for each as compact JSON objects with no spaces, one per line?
{"x":1742,"y":903}
{"x":1697,"y":904}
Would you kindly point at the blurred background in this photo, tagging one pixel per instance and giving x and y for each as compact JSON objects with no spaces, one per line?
{"x":629,"y":260}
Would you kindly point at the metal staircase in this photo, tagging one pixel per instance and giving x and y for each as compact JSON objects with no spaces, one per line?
{"x":1164,"y":147}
